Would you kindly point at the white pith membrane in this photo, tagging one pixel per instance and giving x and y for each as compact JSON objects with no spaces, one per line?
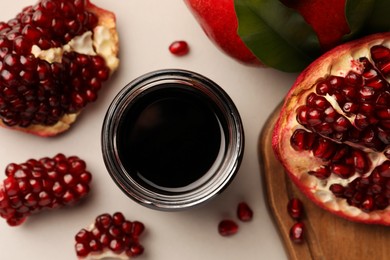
{"x":298,"y":163}
{"x":103,"y":41}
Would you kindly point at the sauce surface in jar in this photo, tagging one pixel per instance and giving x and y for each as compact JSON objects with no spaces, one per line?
{"x":170,"y":138}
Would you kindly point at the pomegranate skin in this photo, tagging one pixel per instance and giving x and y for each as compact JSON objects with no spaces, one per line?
{"x":53,"y":67}
{"x":359,"y":195}
{"x":218,"y":20}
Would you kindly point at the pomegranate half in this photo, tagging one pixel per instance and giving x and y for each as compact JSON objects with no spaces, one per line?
{"x":54,"y":57}
{"x":333,"y":132}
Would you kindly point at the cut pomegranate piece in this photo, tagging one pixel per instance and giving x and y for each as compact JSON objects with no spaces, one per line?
{"x":333,"y":132}
{"x":244,"y":212}
{"x":110,"y":236}
{"x":179,"y":48}
{"x":227,"y":227}
{"x":42,"y":184}
{"x":54,"y":57}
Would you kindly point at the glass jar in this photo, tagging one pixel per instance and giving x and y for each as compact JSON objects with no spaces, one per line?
{"x":172,"y":139}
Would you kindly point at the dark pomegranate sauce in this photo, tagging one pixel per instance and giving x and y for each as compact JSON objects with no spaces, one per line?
{"x":170,"y":138}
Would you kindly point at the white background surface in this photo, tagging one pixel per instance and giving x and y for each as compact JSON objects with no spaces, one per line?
{"x":146,"y":28}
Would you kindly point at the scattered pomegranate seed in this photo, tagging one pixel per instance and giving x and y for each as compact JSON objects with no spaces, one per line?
{"x":110,"y":236}
{"x":38,"y":184}
{"x":179,"y":48}
{"x":295,"y":208}
{"x":227,"y":227}
{"x":297,"y":232}
{"x":244,"y":212}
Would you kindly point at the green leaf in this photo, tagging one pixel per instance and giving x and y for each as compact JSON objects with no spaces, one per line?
{"x":357,"y":13}
{"x":366,"y":17}
{"x":379,"y":22}
{"x":276,"y":34}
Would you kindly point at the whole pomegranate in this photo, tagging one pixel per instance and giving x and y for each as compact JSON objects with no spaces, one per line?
{"x":273,"y":32}
{"x":54,"y":57}
{"x":333,"y":132}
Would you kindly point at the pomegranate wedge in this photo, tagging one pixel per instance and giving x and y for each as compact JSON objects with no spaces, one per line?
{"x":333,"y":132}
{"x":54,"y":57}
{"x":41,"y":184}
{"x":110,"y":237}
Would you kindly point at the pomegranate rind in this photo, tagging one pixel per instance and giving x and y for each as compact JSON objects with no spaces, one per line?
{"x":338,"y":61}
{"x":107,"y":47}
{"x":46,"y":131}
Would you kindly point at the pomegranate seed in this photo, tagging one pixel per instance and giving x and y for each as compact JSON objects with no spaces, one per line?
{"x":118,"y":218}
{"x":302,"y":140}
{"x":179,"y":48}
{"x":313,"y":117}
{"x":83,"y":236}
{"x":379,"y":53}
{"x":227,"y":227}
{"x":344,"y":171}
{"x":352,"y":78}
{"x":110,"y":232}
{"x":39,"y":187}
{"x":297,"y":232}
{"x":103,"y":222}
{"x":295,"y":208}
{"x":321,"y":173}
{"x":244,"y":212}
{"x":81,"y":249}
{"x":324,"y":149}
{"x":135,"y":250}
{"x":138,"y":228}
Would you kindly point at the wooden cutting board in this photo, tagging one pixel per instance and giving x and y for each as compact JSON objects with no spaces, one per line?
{"x":327,"y":237}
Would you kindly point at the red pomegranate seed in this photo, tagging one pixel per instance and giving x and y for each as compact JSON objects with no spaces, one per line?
{"x":297,"y":232}
{"x":138,"y":228}
{"x":135,"y":250}
{"x":38,"y":184}
{"x":227,"y":227}
{"x":342,"y":170}
{"x":179,"y":48}
{"x":295,"y":208}
{"x":302,"y":140}
{"x":244,"y":212}
{"x":113,"y":233}
{"x":321,"y":173}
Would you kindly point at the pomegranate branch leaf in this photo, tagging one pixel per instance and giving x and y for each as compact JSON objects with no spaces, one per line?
{"x":279,"y":38}
{"x":366,"y":17}
{"x":357,"y":14}
{"x":378,"y":21}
